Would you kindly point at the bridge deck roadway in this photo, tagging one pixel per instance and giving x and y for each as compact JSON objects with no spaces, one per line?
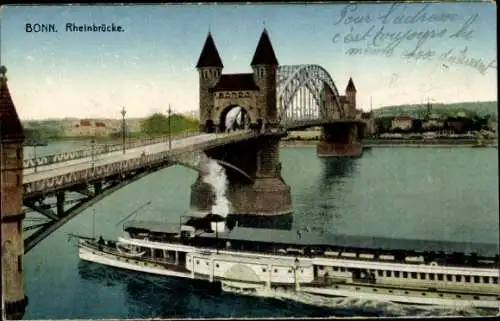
{"x":51,"y":170}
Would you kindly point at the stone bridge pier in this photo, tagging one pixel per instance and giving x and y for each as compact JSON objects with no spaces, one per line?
{"x":341,"y":139}
{"x":262,"y":201}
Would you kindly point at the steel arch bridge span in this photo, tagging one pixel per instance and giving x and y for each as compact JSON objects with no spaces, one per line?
{"x":89,"y":194}
{"x":291,"y":78}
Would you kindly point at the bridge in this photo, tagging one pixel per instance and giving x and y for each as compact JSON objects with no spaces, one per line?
{"x":272,"y":100}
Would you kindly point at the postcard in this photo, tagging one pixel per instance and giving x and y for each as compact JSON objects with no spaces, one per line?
{"x":249,"y":160}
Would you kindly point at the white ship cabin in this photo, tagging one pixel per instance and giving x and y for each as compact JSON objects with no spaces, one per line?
{"x":250,"y":270}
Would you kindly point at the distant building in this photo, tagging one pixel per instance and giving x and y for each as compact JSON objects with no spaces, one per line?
{"x":88,"y":127}
{"x":369,"y":121}
{"x":403,"y":122}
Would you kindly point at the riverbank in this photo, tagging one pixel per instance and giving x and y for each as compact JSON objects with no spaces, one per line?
{"x":385,"y":143}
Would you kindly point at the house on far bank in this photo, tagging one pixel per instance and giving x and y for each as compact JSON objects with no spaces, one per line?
{"x":369,"y":120}
{"x":89,"y":127}
{"x":403,"y":122}
{"x":433,"y":121}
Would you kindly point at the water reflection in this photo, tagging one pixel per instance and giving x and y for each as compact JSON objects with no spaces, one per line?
{"x":335,"y":170}
{"x":150,"y":296}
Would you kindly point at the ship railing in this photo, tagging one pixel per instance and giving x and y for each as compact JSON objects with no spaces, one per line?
{"x":114,"y":251}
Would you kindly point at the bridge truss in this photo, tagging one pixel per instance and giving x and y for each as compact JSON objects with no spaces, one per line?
{"x":301,"y":94}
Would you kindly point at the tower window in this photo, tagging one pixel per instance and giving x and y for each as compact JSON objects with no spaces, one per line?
{"x":19,"y":263}
{"x":261,"y":72}
{"x":18,"y":178}
{"x":19,"y":156}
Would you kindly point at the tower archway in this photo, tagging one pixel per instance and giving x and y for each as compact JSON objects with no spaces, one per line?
{"x":233,"y":118}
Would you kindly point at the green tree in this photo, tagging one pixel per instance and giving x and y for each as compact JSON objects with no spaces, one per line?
{"x":155,"y":124}
{"x":158,"y":124}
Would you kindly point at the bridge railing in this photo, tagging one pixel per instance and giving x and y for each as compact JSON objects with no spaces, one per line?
{"x":121,"y":167}
{"x":98,"y":150}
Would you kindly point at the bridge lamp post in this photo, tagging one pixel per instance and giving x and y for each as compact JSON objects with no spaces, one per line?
{"x":123,"y":112}
{"x":34,"y":156}
{"x":92,"y":142}
{"x":169,"y":128}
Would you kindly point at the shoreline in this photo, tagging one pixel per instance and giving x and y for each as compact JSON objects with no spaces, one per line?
{"x":397,"y":143}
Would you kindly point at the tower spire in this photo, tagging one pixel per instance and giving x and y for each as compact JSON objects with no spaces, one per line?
{"x":209,"y":56}
{"x":264,"y":53}
{"x":350,"y":86}
{"x":10,"y":125}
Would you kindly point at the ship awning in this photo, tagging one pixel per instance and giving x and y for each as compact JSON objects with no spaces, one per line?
{"x":313,"y":238}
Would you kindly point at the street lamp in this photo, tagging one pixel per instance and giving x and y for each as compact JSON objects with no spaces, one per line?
{"x":123,"y":112}
{"x":92,"y":142}
{"x":34,"y":156}
{"x":169,"y":128}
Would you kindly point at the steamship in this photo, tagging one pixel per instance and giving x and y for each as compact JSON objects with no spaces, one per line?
{"x":253,"y":261}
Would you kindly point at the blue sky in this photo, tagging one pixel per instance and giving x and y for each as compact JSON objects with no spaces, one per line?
{"x":151,"y":64}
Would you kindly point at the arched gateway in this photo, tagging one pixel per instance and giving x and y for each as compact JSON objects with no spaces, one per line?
{"x":255,"y":96}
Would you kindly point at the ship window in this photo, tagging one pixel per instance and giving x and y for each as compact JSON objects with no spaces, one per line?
{"x":334,"y":268}
{"x":495,"y":280}
{"x":405,"y":275}
{"x":342,"y":269}
{"x":301,"y":270}
{"x":423,"y":293}
{"x":374,"y":290}
{"x":449,"y":277}
{"x":458,"y":278}
{"x":467,"y":278}
{"x":476,"y":298}
{"x":264,"y":270}
{"x":357,"y":288}
{"x":476,"y":279}
{"x":390,"y":291}
{"x":217,"y":265}
{"x":197,"y":261}
{"x":321,"y":267}
{"x":431,"y":276}
{"x":406,"y":292}
{"x":388,"y":273}
{"x":422,"y":276}
{"x":441,"y":294}
{"x":413,"y":275}
{"x":206,"y":263}
{"x":275,"y":270}
{"x":459,"y":296}
{"x":486,"y":279}
{"x":396,"y":274}
{"x":290,"y":271}
{"x":189,"y":260}
{"x":440,"y":277}
{"x":380,"y":273}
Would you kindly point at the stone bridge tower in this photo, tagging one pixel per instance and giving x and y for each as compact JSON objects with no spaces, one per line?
{"x":255,"y":94}
{"x":11,"y":203}
{"x":209,"y":69}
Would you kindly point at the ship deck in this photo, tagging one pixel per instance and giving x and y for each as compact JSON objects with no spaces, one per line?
{"x":314,"y":239}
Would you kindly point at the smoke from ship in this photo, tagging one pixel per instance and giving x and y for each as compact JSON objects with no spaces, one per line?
{"x":215,"y":175}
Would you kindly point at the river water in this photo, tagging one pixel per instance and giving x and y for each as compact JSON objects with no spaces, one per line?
{"x":421,"y":193}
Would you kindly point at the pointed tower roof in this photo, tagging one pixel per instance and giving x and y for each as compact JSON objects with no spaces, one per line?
{"x":10,"y":125}
{"x":350,"y":86}
{"x":209,"y":56}
{"x":264,"y":54}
